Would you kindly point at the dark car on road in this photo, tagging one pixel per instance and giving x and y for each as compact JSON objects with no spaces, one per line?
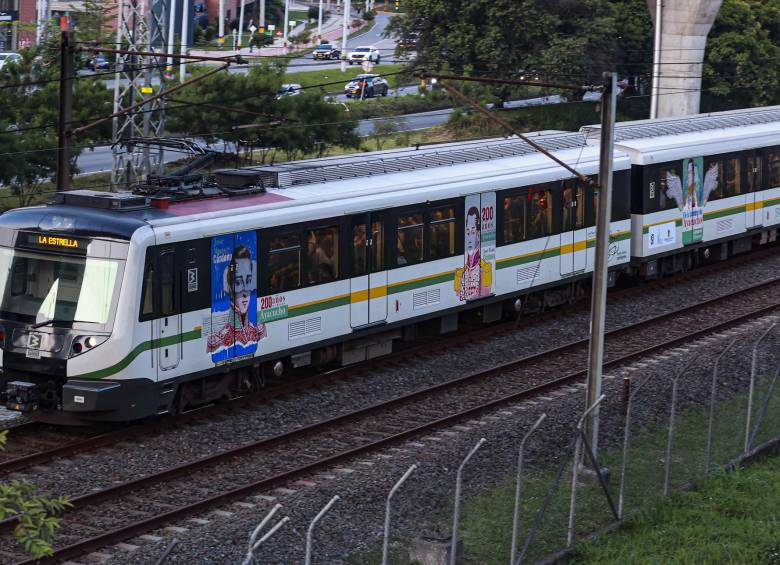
{"x":98,"y":63}
{"x":327,"y":51}
{"x":369,"y":85}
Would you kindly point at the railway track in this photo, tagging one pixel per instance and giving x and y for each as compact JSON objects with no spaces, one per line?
{"x":150,"y":502}
{"x":31,"y":443}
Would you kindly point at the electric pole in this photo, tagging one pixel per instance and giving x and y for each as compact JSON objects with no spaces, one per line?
{"x":600,"y":269}
{"x":64,"y":125}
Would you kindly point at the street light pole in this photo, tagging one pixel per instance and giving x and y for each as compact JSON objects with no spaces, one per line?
{"x":600,"y":270}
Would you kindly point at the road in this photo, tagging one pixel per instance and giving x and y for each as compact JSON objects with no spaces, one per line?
{"x":99,"y":159}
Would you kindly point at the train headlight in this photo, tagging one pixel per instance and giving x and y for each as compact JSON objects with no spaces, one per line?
{"x":84,"y":343}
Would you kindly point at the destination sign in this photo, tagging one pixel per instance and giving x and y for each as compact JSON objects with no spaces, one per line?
{"x":63,"y":243}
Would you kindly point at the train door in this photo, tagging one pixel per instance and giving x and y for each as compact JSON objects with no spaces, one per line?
{"x":368,"y":282}
{"x":168,"y":324}
{"x":573,"y":232}
{"x":753,"y":197}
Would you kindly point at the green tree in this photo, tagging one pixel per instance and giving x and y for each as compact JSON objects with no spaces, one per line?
{"x":30,"y":101}
{"x":28,"y":130}
{"x":37,"y":523}
{"x":294,"y":125}
{"x":742,"y":62}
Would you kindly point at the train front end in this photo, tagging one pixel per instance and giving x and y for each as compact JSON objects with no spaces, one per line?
{"x":59,"y":288}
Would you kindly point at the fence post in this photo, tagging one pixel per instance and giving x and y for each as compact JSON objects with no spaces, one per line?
{"x":253,"y":545}
{"x":753,"y":385}
{"x":575,"y":468}
{"x":770,"y":391}
{"x":518,"y":488}
{"x":713,"y":392}
{"x":626,"y":441}
{"x":397,"y":485}
{"x":670,"y":434}
{"x":310,"y":531}
{"x":456,"y":510}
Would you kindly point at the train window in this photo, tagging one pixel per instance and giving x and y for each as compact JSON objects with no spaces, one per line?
{"x":359,"y":250}
{"x":573,"y":205}
{"x":669,"y":185}
{"x":147,"y":302}
{"x":621,"y":204}
{"x":322,"y":263}
{"x":377,"y":253}
{"x":713,"y":169}
{"x":441,"y":233}
{"x":167,"y":283}
{"x":773,"y":168}
{"x":409,"y":241}
{"x":514,"y":218}
{"x":19,"y":277}
{"x":755,"y":173}
{"x":539,"y":222}
{"x":732,"y":177}
{"x":284,"y":263}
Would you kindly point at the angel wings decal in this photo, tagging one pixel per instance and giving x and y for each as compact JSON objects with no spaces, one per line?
{"x":691,"y":193}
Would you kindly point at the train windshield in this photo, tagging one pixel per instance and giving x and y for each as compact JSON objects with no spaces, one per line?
{"x":39,"y":288}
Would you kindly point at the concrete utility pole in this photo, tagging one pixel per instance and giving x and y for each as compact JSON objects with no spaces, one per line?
{"x":43,"y":19}
{"x":344,"y":30}
{"x":241,"y":23}
{"x":286,"y":22}
{"x":319,"y":24}
{"x":64,"y":126}
{"x":600,"y":269}
{"x":171,"y":36}
{"x":186,"y":16}
{"x":221,"y":35}
{"x":681,"y":37}
{"x":262,"y":16}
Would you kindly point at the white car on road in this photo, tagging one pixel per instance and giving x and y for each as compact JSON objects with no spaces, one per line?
{"x":364,"y":53}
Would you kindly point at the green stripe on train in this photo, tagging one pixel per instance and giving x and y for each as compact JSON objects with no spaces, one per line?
{"x":318,"y":306}
{"x":530,"y":258}
{"x":137,"y":350}
{"x":395,"y":288}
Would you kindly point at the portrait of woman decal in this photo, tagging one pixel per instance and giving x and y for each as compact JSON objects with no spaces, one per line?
{"x":239,"y":283}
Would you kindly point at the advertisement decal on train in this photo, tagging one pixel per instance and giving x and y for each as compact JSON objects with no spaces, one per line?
{"x":234,"y":331}
{"x":475,"y":278}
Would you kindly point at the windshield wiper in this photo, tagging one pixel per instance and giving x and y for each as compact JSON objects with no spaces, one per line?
{"x":55,"y":321}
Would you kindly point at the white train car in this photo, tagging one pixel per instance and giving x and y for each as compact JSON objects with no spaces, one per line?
{"x":704,"y":185}
{"x":118,"y":307}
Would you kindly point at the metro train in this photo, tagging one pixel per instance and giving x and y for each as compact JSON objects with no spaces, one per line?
{"x":121,"y":306}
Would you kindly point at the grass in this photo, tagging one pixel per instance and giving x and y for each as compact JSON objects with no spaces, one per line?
{"x":313,"y":78}
{"x":728,"y":519}
{"x":487,"y":519}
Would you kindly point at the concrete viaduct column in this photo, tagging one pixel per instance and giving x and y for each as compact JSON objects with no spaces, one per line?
{"x":684,"y":28}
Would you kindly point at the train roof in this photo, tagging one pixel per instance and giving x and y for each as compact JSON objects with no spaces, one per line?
{"x":658,"y":141}
{"x":297,"y":190}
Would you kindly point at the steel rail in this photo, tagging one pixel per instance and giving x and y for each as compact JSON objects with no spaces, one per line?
{"x":143,"y":525}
